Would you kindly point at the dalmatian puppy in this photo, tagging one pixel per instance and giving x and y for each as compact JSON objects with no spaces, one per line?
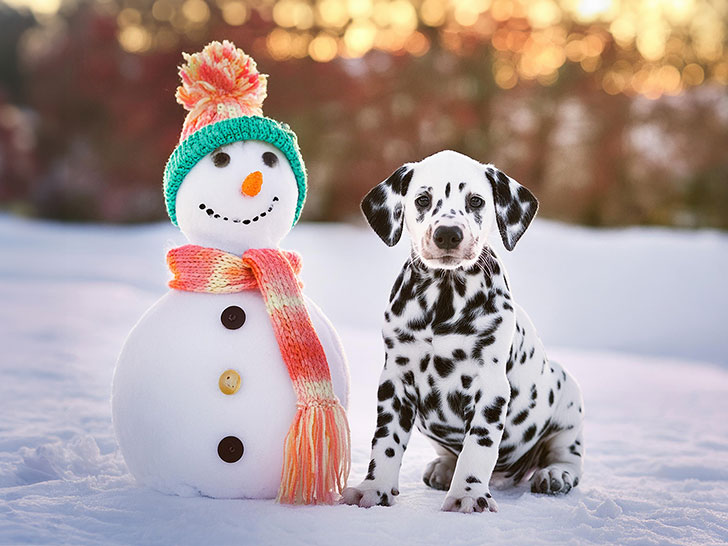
{"x":463,"y":361}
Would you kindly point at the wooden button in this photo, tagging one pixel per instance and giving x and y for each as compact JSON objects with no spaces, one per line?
{"x":229,"y":382}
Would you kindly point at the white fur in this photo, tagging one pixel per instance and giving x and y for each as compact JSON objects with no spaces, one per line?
{"x":431,"y":172}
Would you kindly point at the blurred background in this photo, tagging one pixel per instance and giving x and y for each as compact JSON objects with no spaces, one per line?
{"x":615,"y":112}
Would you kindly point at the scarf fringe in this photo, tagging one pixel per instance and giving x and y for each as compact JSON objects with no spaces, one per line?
{"x":316,"y":456}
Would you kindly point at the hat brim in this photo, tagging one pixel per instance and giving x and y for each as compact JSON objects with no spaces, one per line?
{"x":210,"y":137}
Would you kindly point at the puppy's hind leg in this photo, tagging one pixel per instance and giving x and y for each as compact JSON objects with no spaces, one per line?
{"x":562,"y":461}
{"x":438,"y":472}
{"x":563,"y":465}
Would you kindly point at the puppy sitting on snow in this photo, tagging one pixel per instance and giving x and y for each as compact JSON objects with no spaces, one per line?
{"x":463,"y":360}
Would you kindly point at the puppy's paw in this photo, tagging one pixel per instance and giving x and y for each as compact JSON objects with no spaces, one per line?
{"x":553,"y":480}
{"x":438,"y":473}
{"x":467,"y":504}
{"x":368,"y":494}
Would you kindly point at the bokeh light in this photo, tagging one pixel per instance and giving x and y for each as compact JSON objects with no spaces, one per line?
{"x":555,"y":90}
{"x":646,"y":47}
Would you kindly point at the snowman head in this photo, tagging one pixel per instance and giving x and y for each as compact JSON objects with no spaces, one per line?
{"x":239,"y":196}
{"x":236,"y":180}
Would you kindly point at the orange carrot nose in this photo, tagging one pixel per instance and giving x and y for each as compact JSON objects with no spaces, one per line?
{"x":252,"y":183}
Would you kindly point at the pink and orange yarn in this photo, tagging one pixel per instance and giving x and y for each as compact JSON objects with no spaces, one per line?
{"x":218,"y":83}
{"x":317,"y":447}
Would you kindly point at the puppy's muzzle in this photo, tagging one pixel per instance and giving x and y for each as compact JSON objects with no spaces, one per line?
{"x":448,"y":237}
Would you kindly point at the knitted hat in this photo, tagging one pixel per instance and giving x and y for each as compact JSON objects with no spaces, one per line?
{"x":224,"y":92}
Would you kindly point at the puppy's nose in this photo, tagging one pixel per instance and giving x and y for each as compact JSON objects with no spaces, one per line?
{"x":448,"y":237}
{"x":252,"y":184}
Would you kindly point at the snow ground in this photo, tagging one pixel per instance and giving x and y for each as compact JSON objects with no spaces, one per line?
{"x":657,"y":426}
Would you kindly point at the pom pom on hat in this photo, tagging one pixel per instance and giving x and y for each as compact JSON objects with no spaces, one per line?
{"x":218,"y":83}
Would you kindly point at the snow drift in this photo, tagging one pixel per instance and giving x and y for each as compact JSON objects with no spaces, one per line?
{"x":656,"y":433}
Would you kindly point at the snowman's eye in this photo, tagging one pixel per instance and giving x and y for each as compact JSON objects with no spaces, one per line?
{"x":220,"y":159}
{"x":270,"y":159}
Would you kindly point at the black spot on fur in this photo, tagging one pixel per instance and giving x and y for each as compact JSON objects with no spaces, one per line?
{"x":386,"y":391}
{"x":380,"y":217}
{"x":400,"y":179}
{"x":405,"y":337}
{"x":417,"y":324}
{"x":458,"y":403}
{"x":381,"y":432}
{"x":405,"y":294}
{"x":437,"y":208}
{"x":424,"y":363}
{"x":482,"y":342}
{"x":520,"y":418}
{"x":551,"y":397}
{"x":406,"y":418}
{"x":472,"y":479}
{"x":384,"y":419}
{"x":370,"y":470}
{"x":466,"y":380}
{"x":389,"y":452}
{"x":493,"y":412}
{"x":432,"y":402}
{"x":459,"y":354}
{"x":529,"y":434}
{"x":505,"y":451}
{"x":444,"y":366}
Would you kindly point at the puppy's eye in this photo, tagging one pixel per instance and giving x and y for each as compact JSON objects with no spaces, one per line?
{"x":423,"y":201}
{"x":270,"y":159}
{"x":220,"y":159}
{"x":476,"y":202}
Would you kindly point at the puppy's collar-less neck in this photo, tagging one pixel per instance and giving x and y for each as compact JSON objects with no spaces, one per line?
{"x":484,"y":264}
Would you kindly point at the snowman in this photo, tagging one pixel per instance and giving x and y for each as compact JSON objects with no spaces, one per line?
{"x":232,"y":384}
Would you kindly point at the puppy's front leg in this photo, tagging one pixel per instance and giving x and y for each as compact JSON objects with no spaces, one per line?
{"x":469,"y":489}
{"x":395,"y":417}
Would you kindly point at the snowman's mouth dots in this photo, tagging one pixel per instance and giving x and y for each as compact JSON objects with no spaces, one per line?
{"x":245,"y":221}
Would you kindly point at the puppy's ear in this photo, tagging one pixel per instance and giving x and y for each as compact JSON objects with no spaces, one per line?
{"x":383,"y":206}
{"x":515,"y":206}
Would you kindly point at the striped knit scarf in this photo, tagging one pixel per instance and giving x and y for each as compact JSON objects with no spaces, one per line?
{"x":317,"y":446}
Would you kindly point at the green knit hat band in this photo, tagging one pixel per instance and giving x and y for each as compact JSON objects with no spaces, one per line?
{"x":215,"y":135}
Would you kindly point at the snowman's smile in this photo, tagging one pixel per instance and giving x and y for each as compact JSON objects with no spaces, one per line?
{"x":217,"y":216}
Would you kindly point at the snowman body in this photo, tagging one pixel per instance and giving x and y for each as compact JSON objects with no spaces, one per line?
{"x":169,"y":409}
{"x":202,"y":399}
